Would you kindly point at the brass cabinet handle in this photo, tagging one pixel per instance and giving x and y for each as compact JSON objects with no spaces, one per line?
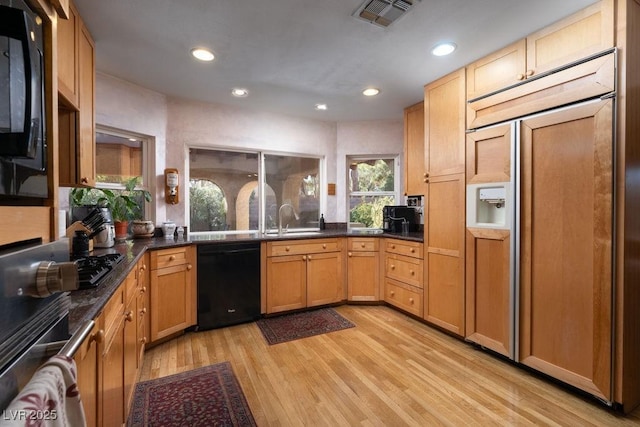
{"x":84,"y":180}
{"x":426,"y":174}
{"x":350,"y":254}
{"x":287,"y":248}
{"x":529,"y":73}
{"x":172,"y":258}
{"x":393,"y":267}
{"x":189,"y":267}
{"x":143,"y":289}
{"x":411,"y":300}
{"x":143,"y":340}
{"x":324,"y":246}
{"x":520,"y":77}
{"x":392,"y":293}
{"x":413,"y":273}
{"x":413,"y":250}
{"x":143,"y":311}
{"x":309,"y":257}
{"x":362,"y":245}
{"x":304,"y":257}
{"x":98,"y":337}
{"x":393,"y":246}
{"x":129,"y":316}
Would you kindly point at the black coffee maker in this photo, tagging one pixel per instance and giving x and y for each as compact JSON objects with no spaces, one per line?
{"x":394,"y":216}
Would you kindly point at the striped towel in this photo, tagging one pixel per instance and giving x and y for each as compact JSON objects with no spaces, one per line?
{"x":50,"y":398}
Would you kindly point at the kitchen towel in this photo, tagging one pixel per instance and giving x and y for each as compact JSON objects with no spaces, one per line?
{"x":50,"y":398}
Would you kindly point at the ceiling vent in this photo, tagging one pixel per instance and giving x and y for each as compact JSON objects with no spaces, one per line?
{"x":383,"y":12}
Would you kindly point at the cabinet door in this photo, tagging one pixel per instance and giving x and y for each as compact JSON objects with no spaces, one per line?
{"x":363,"y":276}
{"x":489,"y":155}
{"x":498,"y":70}
{"x":414,"y":167}
{"x":445,"y":259}
{"x":171,"y":300}
{"x":113,"y":378}
{"x":566,"y":245}
{"x":286,"y":283}
{"x":325,"y":280}
{"x":86,"y":359}
{"x":444,"y":110}
{"x":68,"y":57}
{"x":489,"y":298}
{"x":130,"y":353}
{"x":86,"y":165}
{"x":578,"y":36}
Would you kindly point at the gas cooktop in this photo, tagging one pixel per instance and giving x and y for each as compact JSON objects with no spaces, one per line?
{"x":93,"y":269}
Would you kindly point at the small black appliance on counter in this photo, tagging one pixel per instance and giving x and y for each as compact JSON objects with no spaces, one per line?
{"x":394,"y":216}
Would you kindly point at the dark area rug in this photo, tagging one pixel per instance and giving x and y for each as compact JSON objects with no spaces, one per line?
{"x":294,"y":326}
{"x":208,"y":396}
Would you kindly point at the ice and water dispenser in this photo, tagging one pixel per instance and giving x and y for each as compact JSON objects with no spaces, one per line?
{"x":489,"y":205}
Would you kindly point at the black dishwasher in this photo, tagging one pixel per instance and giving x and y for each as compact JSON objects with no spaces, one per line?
{"x":228,"y":284}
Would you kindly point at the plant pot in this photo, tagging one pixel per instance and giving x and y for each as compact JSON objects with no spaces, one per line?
{"x":142,"y":228}
{"x":121,"y":229}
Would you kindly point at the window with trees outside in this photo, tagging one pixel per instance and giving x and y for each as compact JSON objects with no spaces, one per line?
{"x":372,"y":185}
{"x":233,"y":191}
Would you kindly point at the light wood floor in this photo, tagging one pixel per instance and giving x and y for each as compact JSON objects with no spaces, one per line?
{"x":390,"y":370}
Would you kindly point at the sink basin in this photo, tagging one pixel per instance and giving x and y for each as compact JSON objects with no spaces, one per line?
{"x":366,"y":231}
{"x":295,"y":234}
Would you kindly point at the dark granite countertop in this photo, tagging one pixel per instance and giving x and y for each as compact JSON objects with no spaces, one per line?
{"x":87,"y":304}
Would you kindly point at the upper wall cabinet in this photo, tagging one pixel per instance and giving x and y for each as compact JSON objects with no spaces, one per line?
{"x":414,"y":168}
{"x":584,"y":33}
{"x":76,"y":112}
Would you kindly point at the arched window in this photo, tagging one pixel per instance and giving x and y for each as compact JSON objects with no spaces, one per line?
{"x":208,"y":206}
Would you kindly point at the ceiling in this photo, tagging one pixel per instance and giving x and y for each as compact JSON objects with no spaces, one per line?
{"x":293,"y":54}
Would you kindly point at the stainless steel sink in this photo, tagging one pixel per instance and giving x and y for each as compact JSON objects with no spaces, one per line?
{"x":295,"y":234}
{"x":366,"y":231}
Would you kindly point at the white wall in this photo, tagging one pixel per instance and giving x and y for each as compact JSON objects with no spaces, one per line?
{"x":177,"y":124}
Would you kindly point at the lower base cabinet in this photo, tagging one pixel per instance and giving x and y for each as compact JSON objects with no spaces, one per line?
{"x":363,"y":269}
{"x":303,"y":273}
{"x":403,"y":272}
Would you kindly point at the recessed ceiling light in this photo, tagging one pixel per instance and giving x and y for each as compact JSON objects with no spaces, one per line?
{"x":321,"y":107}
{"x":372,"y":91}
{"x":443,"y":49}
{"x":202,"y":54}
{"x":239,"y":92}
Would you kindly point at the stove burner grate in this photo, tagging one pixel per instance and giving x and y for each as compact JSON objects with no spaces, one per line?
{"x":91,"y":270}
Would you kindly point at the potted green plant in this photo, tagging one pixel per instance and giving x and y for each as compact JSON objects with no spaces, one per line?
{"x":124,"y":204}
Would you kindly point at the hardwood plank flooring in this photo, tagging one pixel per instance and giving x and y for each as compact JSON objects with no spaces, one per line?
{"x":389,"y":370}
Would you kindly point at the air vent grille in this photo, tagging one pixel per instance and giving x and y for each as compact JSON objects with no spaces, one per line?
{"x":383,"y":12}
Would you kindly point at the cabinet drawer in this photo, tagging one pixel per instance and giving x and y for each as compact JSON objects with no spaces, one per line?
{"x":169,"y":257}
{"x":356,"y":244}
{"x":403,"y":247}
{"x":403,"y":296}
{"x":130,"y":286}
{"x":299,"y":247}
{"x":113,"y":313}
{"x":405,"y":269}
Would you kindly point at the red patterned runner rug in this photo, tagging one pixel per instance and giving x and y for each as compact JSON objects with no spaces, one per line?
{"x":208,"y":396}
{"x":294,"y":326}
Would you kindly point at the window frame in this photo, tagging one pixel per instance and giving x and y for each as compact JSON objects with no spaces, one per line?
{"x":349,"y":194}
{"x":148,"y":166}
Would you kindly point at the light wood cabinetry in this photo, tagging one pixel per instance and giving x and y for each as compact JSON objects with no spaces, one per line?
{"x":76,"y":112}
{"x":414,"y":150}
{"x":490,"y":296}
{"x":113,"y":380}
{"x":303,"y":273}
{"x":403,"y":284}
{"x":444,"y":259}
{"x":584,"y":33}
{"x":363,"y":269}
{"x":172,"y":291}
{"x":566,"y":245}
{"x":88,"y":366}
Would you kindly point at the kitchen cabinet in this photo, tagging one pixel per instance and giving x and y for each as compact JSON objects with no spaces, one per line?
{"x":403,"y":283}
{"x":303,"y":273}
{"x":113,"y":380}
{"x":414,"y":150}
{"x":88,"y":366}
{"x":444,"y":259}
{"x":76,"y":110}
{"x":172,"y":291}
{"x":363,"y":269}
{"x":489,"y":286}
{"x":142,"y":304}
{"x":566,"y":258}
{"x":575,"y":37}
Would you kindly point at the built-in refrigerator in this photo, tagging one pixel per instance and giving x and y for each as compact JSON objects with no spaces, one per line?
{"x":540,"y":242}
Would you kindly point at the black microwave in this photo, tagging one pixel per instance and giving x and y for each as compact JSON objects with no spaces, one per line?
{"x":23,"y":160}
